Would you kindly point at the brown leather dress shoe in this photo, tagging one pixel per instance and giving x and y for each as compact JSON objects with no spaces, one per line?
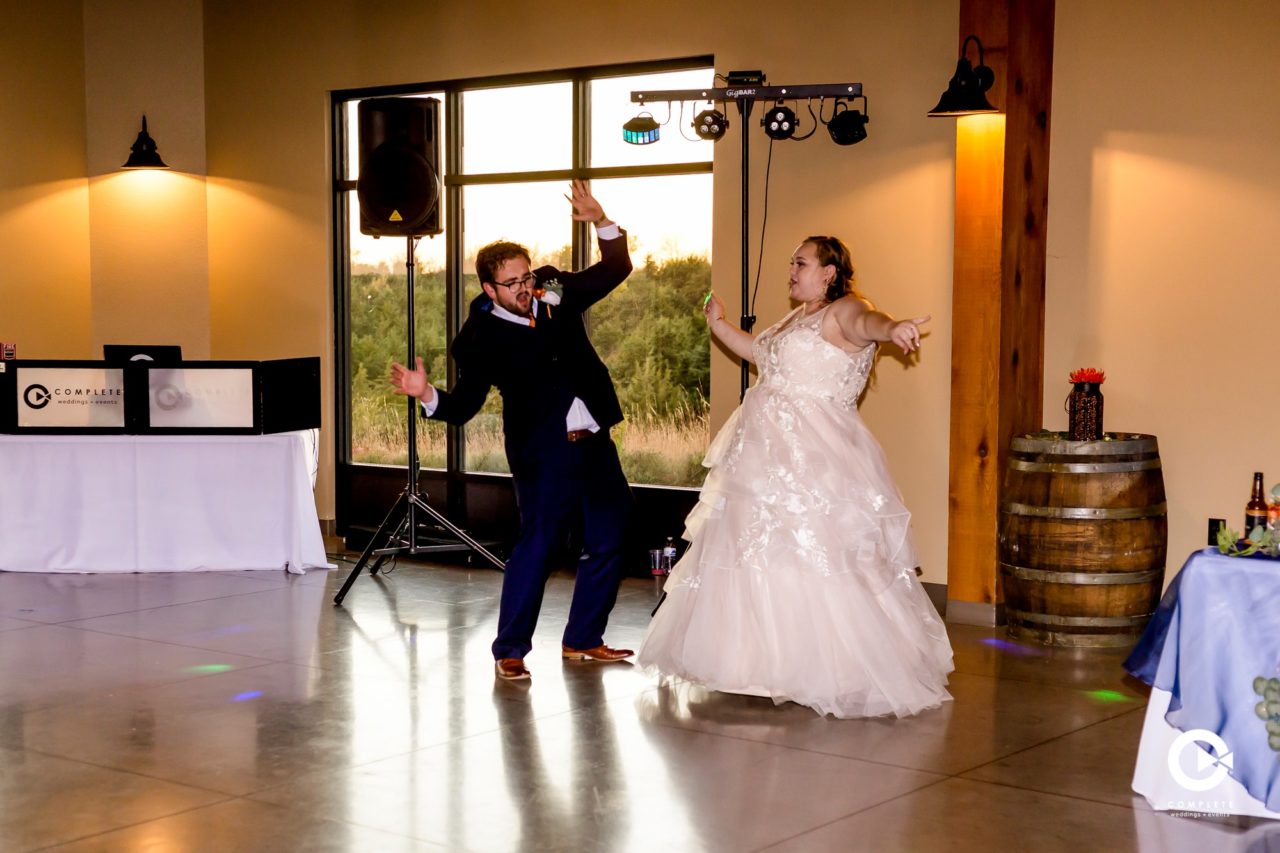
{"x":510,"y":669}
{"x":600,"y":653}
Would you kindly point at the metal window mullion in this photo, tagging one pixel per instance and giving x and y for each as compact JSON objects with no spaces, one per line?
{"x":580,"y":250}
{"x":701,"y":167}
{"x":454,"y":273}
{"x":580,"y":240}
{"x":341,"y":211}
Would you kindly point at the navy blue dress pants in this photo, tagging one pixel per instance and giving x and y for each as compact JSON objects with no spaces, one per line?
{"x":569,"y":480}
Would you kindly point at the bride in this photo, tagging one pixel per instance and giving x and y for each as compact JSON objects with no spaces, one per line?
{"x":799,"y":581}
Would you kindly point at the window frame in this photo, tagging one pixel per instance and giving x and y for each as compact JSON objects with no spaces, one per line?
{"x":454,"y":183}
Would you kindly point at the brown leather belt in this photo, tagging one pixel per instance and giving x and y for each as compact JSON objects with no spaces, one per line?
{"x":579,"y":434}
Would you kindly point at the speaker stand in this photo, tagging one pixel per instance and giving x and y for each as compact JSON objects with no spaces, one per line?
{"x":399,"y":531}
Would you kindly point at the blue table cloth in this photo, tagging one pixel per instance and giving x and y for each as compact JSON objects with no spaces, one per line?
{"x":1214,"y":644}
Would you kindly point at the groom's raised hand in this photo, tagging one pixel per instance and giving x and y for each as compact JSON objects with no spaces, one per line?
{"x":585,"y":206}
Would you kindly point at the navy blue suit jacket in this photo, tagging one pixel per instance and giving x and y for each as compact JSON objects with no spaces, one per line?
{"x":539,"y":369}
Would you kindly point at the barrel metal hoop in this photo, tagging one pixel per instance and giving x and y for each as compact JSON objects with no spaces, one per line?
{"x":1071,"y":639}
{"x":1043,"y":576}
{"x":1085,"y":467}
{"x":1086,"y":512}
{"x":1078,"y":621}
{"x":1135,"y":444}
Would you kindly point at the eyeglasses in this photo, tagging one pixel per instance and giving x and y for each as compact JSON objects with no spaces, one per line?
{"x":528,"y":281}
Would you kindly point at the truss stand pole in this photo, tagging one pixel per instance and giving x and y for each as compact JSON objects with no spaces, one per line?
{"x":744,"y":88}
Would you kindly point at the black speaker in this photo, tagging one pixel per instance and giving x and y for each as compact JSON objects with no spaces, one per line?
{"x":399,"y":184}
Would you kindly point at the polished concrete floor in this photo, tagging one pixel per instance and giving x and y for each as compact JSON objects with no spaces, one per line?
{"x":243,"y":711}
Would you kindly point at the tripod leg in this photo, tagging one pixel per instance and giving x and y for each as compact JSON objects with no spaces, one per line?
{"x":422,"y":505}
{"x":389,"y":525}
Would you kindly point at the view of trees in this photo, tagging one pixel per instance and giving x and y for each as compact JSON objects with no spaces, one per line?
{"x":649,"y":331}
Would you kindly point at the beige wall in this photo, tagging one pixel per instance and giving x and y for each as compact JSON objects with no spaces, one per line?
{"x":89,"y":254}
{"x":1164,"y":238}
{"x":1163,"y":197}
{"x":148,"y":236}
{"x":44,"y":207}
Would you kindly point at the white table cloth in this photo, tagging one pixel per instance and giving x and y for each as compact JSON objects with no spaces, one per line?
{"x":123,"y":503}
{"x":1210,"y":655}
{"x":1153,"y":779}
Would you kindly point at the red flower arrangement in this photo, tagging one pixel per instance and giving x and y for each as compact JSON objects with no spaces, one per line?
{"x":1088,"y":374}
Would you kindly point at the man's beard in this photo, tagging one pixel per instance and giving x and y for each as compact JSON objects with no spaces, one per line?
{"x":522,"y":308}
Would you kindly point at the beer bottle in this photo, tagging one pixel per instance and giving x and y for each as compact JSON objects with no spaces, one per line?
{"x":1255,"y":512}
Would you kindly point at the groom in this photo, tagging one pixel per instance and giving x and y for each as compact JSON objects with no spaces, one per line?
{"x":558,"y":404}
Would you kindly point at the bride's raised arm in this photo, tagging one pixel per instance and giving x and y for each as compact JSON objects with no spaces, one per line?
{"x":738,"y":341}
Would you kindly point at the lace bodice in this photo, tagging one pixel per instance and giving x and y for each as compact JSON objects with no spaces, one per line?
{"x":795,"y":359}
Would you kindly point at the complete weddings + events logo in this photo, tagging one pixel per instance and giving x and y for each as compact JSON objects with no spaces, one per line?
{"x":37,"y":396}
{"x":1211,"y":770}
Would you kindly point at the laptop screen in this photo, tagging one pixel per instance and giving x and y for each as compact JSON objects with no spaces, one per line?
{"x":154,"y":353}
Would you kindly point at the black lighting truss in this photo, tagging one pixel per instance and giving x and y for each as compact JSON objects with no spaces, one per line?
{"x":745,"y":88}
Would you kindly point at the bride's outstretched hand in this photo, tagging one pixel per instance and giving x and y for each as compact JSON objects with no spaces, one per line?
{"x":712,"y":308}
{"x":906,"y":333}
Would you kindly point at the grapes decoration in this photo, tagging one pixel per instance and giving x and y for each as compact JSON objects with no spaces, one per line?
{"x":1268,"y":709}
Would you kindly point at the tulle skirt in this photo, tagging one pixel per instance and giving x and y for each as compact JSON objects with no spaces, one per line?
{"x":799,"y":579}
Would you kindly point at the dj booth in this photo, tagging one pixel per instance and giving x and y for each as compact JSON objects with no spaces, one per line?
{"x":155,"y":398}
{"x":143,"y":466}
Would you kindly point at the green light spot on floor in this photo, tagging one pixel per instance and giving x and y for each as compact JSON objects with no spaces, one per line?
{"x":1109,"y":696}
{"x":211,"y":667}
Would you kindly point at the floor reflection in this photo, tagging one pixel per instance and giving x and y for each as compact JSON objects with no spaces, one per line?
{"x":244,"y":711}
{"x":555,"y":796}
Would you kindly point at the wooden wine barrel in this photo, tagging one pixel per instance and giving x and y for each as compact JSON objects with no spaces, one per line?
{"x":1082,"y":539}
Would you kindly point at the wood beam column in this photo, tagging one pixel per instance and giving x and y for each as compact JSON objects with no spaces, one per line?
{"x":997,"y":373}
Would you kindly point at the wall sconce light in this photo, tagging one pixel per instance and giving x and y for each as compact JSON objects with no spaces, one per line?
{"x":710,"y":124}
{"x":779,"y":122}
{"x":966,"y":93}
{"x":640,"y":130}
{"x":143,"y":154}
{"x":848,"y":126}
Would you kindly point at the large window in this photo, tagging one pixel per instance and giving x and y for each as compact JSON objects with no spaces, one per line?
{"x":510,"y":148}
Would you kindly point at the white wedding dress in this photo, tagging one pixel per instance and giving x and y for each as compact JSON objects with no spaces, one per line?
{"x":799,"y":580}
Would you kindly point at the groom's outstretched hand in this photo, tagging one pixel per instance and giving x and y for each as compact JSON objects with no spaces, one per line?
{"x":414,"y":382}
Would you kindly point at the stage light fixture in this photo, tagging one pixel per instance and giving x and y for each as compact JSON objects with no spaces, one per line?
{"x":710,"y":124}
{"x":848,"y":126}
{"x":640,"y":130}
{"x":779,"y":122}
{"x":143,"y":153}
{"x":966,"y":93}
{"x":748,"y":89}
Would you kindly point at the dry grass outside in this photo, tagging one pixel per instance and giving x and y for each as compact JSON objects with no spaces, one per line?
{"x":664,"y":451}
{"x":653,"y":450}
{"x":378,"y":431}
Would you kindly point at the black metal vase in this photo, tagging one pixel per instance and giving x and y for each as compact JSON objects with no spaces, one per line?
{"x":1084,"y":411}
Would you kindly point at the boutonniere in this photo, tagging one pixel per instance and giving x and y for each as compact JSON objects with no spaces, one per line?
{"x":549,"y":292}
